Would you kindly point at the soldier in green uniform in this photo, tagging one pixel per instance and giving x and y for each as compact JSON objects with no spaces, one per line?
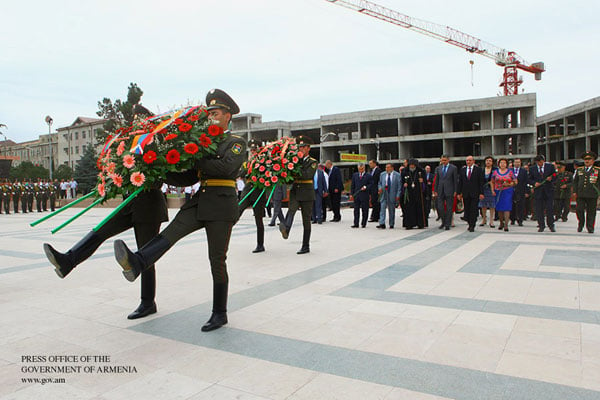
{"x":4,"y":199}
{"x":214,"y":207}
{"x":52,"y":194}
{"x":45,"y":194}
{"x":562,"y":192}
{"x":586,"y":186}
{"x":302,"y":195}
{"x":37,"y":192}
{"x":24,"y":190}
{"x":16,"y":195}
{"x":259,"y":209}
{"x":6,"y":195}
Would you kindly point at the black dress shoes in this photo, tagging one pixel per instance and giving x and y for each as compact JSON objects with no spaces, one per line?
{"x":540,"y":229}
{"x":354,"y":226}
{"x":142,"y":311}
{"x":579,"y":229}
{"x":217,"y":320}
{"x":447,"y":228}
{"x":259,"y":248}
{"x":381,"y":226}
{"x":442,"y":226}
{"x":471,"y":229}
{"x":273,"y":224}
{"x":552,"y":229}
{"x":303,"y":250}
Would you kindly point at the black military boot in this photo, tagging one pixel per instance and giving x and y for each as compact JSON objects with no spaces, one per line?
{"x":134,"y":263}
{"x":260,"y":239}
{"x":218,"y":317}
{"x":64,"y":263}
{"x":305,"y":243}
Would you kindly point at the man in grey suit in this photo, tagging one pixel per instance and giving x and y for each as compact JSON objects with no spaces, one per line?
{"x":278,"y":195}
{"x":389,"y":188}
{"x":446,"y":184}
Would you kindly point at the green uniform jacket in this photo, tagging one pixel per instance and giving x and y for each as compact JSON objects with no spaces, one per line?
{"x":563,"y":178}
{"x":305,"y":191}
{"x":215,"y":203}
{"x":584,"y":182}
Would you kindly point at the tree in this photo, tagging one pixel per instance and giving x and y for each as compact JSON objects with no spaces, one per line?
{"x":63,"y":172}
{"x":117,"y":113}
{"x":86,"y":171}
{"x":27,"y":170}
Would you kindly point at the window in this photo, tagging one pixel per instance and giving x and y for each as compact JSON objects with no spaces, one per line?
{"x":76,"y":135}
{"x":76,"y":149}
{"x":83,"y":134}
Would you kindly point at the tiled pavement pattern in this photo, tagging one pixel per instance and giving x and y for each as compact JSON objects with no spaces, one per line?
{"x":368,"y":314}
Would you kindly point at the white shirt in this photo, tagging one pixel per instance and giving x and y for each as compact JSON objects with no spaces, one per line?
{"x":196,"y":187}
{"x":187,"y":190}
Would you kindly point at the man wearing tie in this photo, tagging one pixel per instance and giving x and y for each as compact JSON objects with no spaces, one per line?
{"x":518,"y":210}
{"x":361,"y":189}
{"x":389,"y":188}
{"x":470,"y":190}
{"x":320,"y":186}
{"x":336,"y":186}
{"x":428,"y":189}
{"x":446,"y":182}
{"x":375,"y":173}
{"x":541,"y":177}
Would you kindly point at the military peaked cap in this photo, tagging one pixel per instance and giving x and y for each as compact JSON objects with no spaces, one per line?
{"x":217,"y":98}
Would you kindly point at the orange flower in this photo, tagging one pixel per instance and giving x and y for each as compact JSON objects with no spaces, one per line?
{"x":121,"y":148}
{"x":128,"y":161}
{"x":137,"y":179}
{"x":117,"y":180}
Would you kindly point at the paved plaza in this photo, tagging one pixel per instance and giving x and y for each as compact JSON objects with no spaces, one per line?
{"x":368,"y":314}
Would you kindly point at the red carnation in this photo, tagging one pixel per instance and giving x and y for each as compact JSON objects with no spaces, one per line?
{"x":274,"y":179}
{"x":178,"y":121}
{"x":268,"y":174}
{"x":184,"y":127}
{"x":204,"y":140}
{"x":269,"y":162}
{"x":254,"y":178}
{"x":172,"y":156}
{"x":262,"y":168}
{"x":267,"y":183}
{"x":295,"y":159}
{"x":300,"y":154}
{"x":262,"y":180}
{"x":276,"y":167}
{"x":191,"y":148}
{"x":284,"y":174}
{"x":149,"y":157}
{"x":170,"y":136}
{"x":215,"y":130}
{"x":290,"y":166}
{"x":193,"y":118}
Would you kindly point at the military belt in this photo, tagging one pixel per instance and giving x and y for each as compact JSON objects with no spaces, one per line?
{"x":218,"y":182}
{"x":305,"y":181}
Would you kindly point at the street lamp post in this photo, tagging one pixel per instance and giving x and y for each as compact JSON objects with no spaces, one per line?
{"x":49,"y":122}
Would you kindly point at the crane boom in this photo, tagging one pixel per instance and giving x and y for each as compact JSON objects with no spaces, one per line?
{"x":510,"y":60}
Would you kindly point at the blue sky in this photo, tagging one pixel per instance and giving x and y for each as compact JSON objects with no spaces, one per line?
{"x":284,"y":59}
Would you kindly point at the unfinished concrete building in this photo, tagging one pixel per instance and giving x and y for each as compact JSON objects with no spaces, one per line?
{"x":500,"y":126}
{"x":566,"y":133}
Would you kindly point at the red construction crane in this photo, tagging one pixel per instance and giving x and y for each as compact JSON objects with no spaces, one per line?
{"x":510,"y":60}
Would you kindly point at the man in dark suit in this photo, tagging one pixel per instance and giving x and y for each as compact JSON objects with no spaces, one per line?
{"x":470,"y":190}
{"x":542,"y":176}
{"x":144,"y":214}
{"x":374,"y":196}
{"x":362,"y":183}
{"x":302,"y":195}
{"x":336,"y":186}
{"x":518,"y":210}
{"x":214,"y":207}
{"x":446,"y":183}
{"x":321,"y":191}
{"x":428,"y":178}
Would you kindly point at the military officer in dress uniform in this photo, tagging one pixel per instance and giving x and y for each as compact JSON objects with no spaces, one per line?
{"x":17,"y":193}
{"x":6,"y":195}
{"x":4,"y":198}
{"x":37,"y":191}
{"x":214,"y":207}
{"x":259,"y":209}
{"x":145,"y":213}
{"x":30,"y":194}
{"x":562,"y":192}
{"x":586,"y":186}
{"x":302,"y":195}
